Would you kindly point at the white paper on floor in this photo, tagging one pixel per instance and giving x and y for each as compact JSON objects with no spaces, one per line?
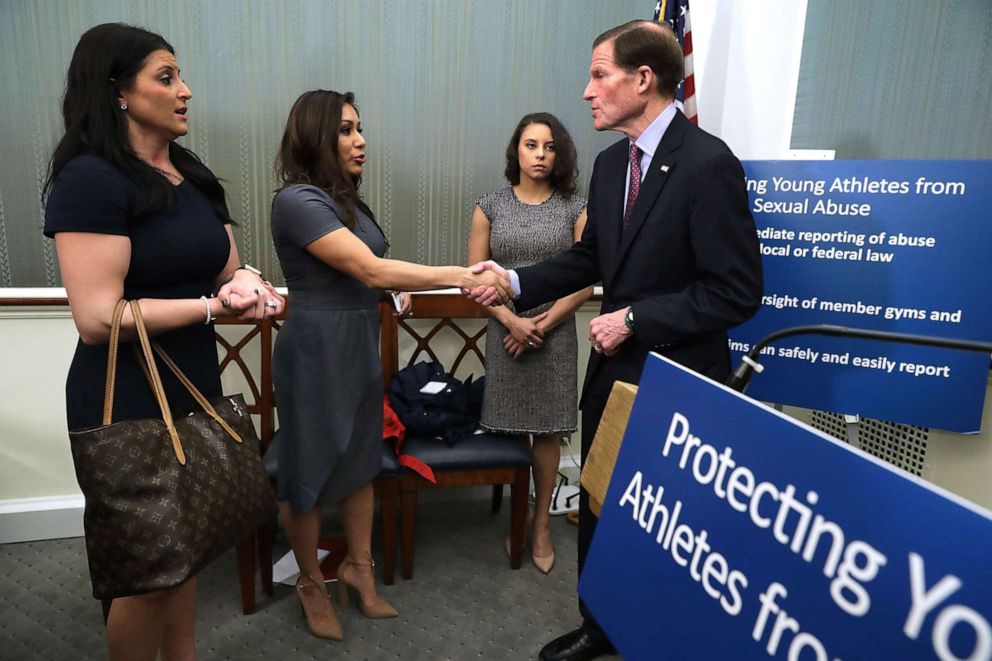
{"x":286,"y":571}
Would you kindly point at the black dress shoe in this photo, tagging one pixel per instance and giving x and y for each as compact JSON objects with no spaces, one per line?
{"x":580,"y":645}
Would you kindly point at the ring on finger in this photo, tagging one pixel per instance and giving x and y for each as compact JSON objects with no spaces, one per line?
{"x":271,"y":304}
{"x":530,"y":345}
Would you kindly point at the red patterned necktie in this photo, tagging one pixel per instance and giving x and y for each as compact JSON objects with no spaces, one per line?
{"x":635,"y":181}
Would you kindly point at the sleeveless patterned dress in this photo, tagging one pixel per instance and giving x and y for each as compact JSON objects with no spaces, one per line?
{"x":537,"y":392}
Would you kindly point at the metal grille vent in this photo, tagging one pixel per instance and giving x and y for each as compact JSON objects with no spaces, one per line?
{"x":830,"y":423}
{"x":903,"y":446}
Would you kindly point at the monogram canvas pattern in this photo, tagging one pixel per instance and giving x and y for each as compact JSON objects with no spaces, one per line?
{"x":150,"y":522}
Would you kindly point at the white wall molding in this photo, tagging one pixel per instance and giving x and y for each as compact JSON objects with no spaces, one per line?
{"x":30,"y":519}
{"x":35,"y":313}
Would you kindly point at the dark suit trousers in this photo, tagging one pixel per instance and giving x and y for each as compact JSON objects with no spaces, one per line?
{"x":595,"y":402}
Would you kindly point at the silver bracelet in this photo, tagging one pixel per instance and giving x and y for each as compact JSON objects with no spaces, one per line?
{"x":210,"y":316}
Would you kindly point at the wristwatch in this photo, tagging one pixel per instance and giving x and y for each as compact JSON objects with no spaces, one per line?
{"x":628,"y":319}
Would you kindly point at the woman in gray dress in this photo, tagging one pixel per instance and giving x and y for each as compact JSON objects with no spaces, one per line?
{"x":326,"y":368}
{"x":531,"y":355}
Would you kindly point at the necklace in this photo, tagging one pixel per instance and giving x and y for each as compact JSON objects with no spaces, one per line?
{"x":174,"y":177}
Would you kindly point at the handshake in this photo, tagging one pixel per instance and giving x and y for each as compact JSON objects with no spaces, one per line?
{"x":487,"y":283}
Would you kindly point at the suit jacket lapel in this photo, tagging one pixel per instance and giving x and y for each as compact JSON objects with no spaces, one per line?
{"x":615,"y":193}
{"x":662,"y":163}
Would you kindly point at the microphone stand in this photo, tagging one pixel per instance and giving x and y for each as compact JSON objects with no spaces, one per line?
{"x":741,"y":377}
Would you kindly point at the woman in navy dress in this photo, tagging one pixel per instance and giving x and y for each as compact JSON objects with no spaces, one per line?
{"x":137,"y":216}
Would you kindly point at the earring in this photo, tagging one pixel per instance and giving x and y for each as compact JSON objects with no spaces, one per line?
{"x":123,"y":106}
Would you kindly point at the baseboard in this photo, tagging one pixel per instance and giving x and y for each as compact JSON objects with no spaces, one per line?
{"x":31,"y":519}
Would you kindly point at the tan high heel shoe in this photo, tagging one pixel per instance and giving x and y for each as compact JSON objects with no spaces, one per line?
{"x":322,"y":625}
{"x":380,"y":608}
{"x":544,"y":563}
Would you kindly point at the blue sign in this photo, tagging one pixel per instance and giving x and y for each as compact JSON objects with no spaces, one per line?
{"x":730,"y":531}
{"x":899,"y":246}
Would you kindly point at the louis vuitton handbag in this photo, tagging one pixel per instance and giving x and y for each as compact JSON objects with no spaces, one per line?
{"x":164,"y":497}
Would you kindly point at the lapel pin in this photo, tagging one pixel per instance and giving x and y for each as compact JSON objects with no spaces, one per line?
{"x":664,"y":168}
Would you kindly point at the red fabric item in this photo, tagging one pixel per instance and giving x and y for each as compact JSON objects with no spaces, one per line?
{"x":394,"y":430}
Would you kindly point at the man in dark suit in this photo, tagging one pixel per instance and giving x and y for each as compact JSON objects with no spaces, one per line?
{"x":670,"y":236}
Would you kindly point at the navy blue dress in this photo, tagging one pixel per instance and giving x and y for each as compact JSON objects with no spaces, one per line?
{"x":173,"y":255}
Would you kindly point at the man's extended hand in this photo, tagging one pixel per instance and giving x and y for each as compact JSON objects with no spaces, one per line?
{"x":607,"y":332}
{"x":490,"y":265}
{"x":491,"y":286}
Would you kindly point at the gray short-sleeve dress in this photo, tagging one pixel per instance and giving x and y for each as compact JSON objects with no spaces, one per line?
{"x":325,"y":367}
{"x":537,"y":392}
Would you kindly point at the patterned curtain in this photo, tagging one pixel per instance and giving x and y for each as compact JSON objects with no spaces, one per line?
{"x":906,"y":79}
{"x":440,"y":86}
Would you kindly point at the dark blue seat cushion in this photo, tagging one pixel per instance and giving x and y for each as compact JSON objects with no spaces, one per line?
{"x":389,"y":464}
{"x":479,"y":451}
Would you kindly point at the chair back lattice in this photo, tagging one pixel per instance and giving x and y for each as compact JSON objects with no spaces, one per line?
{"x":445,"y":328}
{"x":238,"y":353}
{"x":469,"y":343}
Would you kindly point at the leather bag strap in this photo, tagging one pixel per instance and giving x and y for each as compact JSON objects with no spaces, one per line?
{"x":195,"y":392}
{"x":115,"y":336}
{"x":146,"y":361}
{"x":156,"y":382}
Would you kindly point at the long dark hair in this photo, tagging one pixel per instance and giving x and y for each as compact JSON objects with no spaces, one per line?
{"x":309,"y":151}
{"x":565,"y":172}
{"x":106,"y":61}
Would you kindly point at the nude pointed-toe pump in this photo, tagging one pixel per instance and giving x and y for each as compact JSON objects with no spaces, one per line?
{"x":322,"y":625}
{"x":380,"y":608}
{"x":544,"y":563}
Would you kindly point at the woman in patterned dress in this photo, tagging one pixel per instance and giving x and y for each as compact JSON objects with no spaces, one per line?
{"x":531,"y":354}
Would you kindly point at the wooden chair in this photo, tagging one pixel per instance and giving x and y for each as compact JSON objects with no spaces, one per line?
{"x":484,"y":460}
{"x":261,"y":402}
{"x":488,"y":459}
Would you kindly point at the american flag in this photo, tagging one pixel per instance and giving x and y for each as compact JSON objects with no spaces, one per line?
{"x":676,"y":14}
